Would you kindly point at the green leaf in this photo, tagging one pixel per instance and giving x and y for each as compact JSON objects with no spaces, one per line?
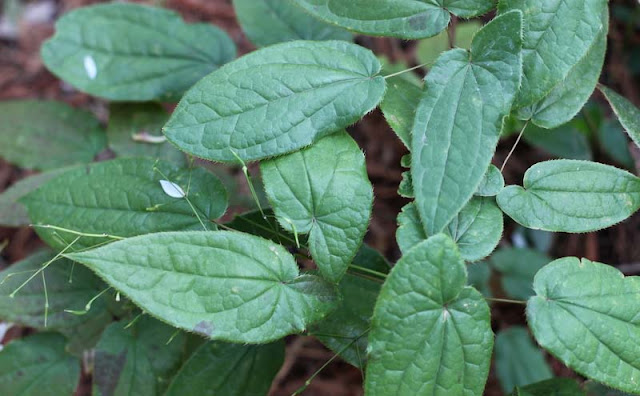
{"x":518,"y":266}
{"x":596,"y":389}
{"x":346,"y":327}
{"x":586,"y":314}
{"x":627,"y":113}
{"x":305,"y":90}
{"x":47,"y":135}
{"x":518,"y":360}
{"x":28,"y":307}
{"x":12,"y":212}
{"x":477,"y":229}
{"x":551,"y":387}
{"x":492,"y":183}
{"x":136,"y":359}
{"x":268,"y":22}
{"x":429,"y":334}
{"x":429,"y":49}
{"x":187,"y":280}
{"x":565,"y":141}
{"x":396,"y":18}
{"x":124,"y":198}
{"x":569,"y":94}
{"x":572,"y":196}
{"x":135,"y":130}
{"x":399,"y":107}
{"x":132,"y":52}
{"x":228,"y":369}
{"x":458,"y":121}
{"x":323,"y":191}
{"x":266,"y":226}
{"x":614,"y":143}
{"x":479,"y":275}
{"x":38,"y":365}
{"x":558,"y":34}
{"x":405,"y":189}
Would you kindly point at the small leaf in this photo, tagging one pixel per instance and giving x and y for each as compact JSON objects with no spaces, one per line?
{"x":216,"y":368}
{"x":429,"y":334}
{"x":38,"y":365}
{"x":586,"y":314}
{"x":551,"y":387}
{"x":135,"y":130}
{"x":518,"y":267}
{"x":305,"y":90}
{"x":565,"y":141}
{"x":266,"y":226}
{"x":627,"y":113}
{"x":477,"y":229}
{"x":323,"y":191}
{"x":67,"y":288}
{"x":395,"y":18}
{"x":458,"y":121}
{"x":518,"y":361}
{"x":405,"y":189}
{"x":572,"y":196}
{"x":124,"y":51}
{"x":172,"y":189}
{"x":123,"y":198}
{"x":557,"y":36}
{"x":47,"y":135}
{"x":352,"y":318}
{"x":227,"y":286}
{"x":399,"y":107}
{"x":429,"y":49}
{"x":492,"y":183}
{"x":136,"y":359}
{"x":12,"y":212}
{"x":268,"y":22}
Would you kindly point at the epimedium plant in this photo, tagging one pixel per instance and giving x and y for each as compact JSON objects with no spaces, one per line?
{"x":174,"y":298}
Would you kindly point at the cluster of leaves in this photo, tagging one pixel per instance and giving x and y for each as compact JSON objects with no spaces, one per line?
{"x":172,"y":299}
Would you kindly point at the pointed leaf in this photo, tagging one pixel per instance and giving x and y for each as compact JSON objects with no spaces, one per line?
{"x":324,"y":191}
{"x":268,"y":22}
{"x":67,"y":288}
{"x":519,"y":362}
{"x":136,"y":360}
{"x":38,"y":365}
{"x":627,"y":113}
{"x":227,"y":286}
{"x":124,"y":51}
{"x":346,"y":327}
{"x":458,"y":121}
{"x":399,"y":107}
{"x":429,"y":334}
{"x":47,"y":135}
{"x":492,"y":183}
{"x":558,"y":34}
{"x":305,"y":90}
{"x":572,"y":196}
{"x":586,"y":314}
{"x":12,"y":212}
{"x":517,"y":267}
{"x":135,"y":130}
{"x":228,"y":369}
{"x":569,"y":95}
{"x":477,"y":229}
{"x":123,"y":198}
{"x":406,"y":19}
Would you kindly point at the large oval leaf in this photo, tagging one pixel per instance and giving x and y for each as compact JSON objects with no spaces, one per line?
{"x":126,"y":51}
{"x":46,"y":135}
{"x":409,"y":19}
{"x":587,"y":315}
{"x":323,"y":191}
{"x":627,"y":113}
{"x":276,"y":100}
{"x":124,"y":198}
{"x":429,"y":334}
{"x":458,"y":121}
{"x":572,"y":196}
{"x":227,"y":286}
{"x":268,"y":22}
{"x":216,"y":368}
{"x":38,"y":365}
{"x":558,"y":34}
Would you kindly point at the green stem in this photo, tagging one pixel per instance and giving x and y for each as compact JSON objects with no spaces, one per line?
{"x":407,"y":70}
{"x":514,"y":146}
{"x":368,"y":271}
{"x":505,"y":300}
